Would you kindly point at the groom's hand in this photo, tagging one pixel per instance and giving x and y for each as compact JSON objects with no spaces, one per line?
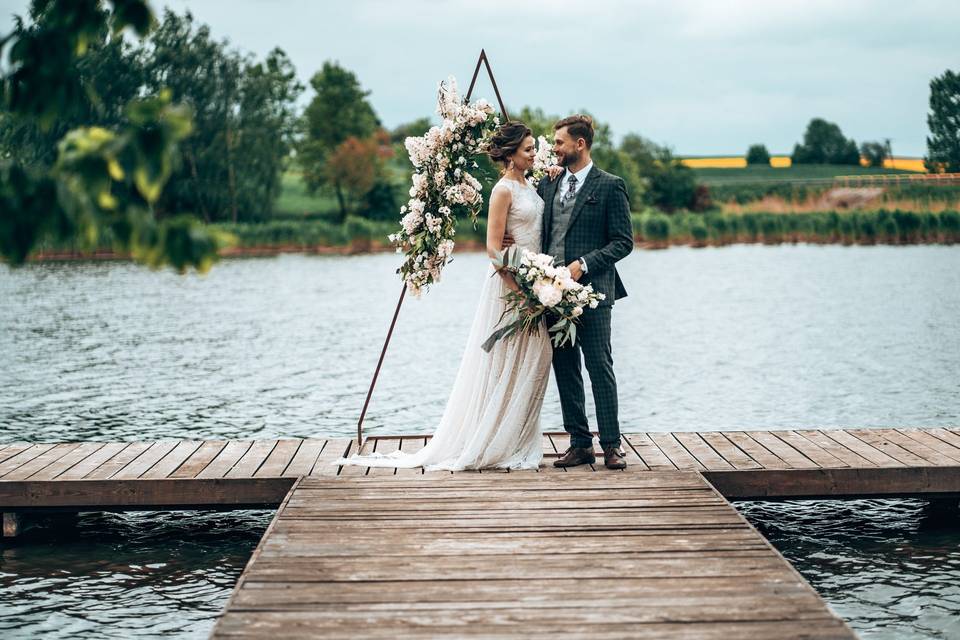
{"x":507,"y":240}
{"x":575,"y":270}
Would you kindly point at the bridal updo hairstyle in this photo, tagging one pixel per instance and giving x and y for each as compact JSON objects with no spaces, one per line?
{"x":506,"y":141}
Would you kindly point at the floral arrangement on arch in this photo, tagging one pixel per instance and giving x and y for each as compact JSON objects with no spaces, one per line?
{"x":442,"y":187}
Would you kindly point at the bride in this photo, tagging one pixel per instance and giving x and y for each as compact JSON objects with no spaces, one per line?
{"x":492,"y":417}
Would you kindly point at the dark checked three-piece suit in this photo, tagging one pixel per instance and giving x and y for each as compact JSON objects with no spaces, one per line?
{"x":593,"y":223}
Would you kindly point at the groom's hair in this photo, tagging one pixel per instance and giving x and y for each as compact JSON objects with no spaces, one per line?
{"x":579,"y":126}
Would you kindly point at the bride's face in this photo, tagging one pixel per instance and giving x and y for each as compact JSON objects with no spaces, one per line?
{"x":523,"y":157}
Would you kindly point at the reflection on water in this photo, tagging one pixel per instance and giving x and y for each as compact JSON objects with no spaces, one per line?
{"x":740,"y":337}
{"x":890,"y":568}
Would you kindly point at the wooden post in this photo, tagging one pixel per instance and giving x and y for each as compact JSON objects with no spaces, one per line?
{"x":482,"y":60}
{"x":11,"y":525}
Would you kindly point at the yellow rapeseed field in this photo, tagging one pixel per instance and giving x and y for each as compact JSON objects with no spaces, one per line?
{"x":781,"y":162}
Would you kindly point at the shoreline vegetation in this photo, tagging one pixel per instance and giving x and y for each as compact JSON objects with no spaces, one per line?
{"x":652,"y":230}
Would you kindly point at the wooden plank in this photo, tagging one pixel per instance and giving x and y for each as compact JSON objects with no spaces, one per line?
{"x":763,"y":456}
{"x":924,"y":445}
{"x":385,"y":446}
{"x":875,"y":438}
{"x":672,"y":448}
{"x":862,"y":448}
{"x":146,"y":460}
{"x":850,"y":457}
{"x":80,"y":453}
{"x":167,"y":493}
{"x":199,"y":459}
{"x":13,"y":449}
{"x":737,"y":458}
{"x":412,"y":445}
{"x":173,"y":460}
{"x":251,"y":461}
{"x":333,"y":450}
{"x":814,"y":452}
{"x":702,"y":451}
{"x":23,"y":457}
{"x":297,"y":625}
{"x":123,"y":457}
{"x":228,"y":456}
{"x":94,"y":460}
{"x":279,"y":459}
{"x":303,"y":461}
{"x":946,"y":436}
{"x":832,"y":483}
{"x":41,"y":462}
{"x":351,"y":470}
{"x":649,"y":452}
{"x":784,"y":451}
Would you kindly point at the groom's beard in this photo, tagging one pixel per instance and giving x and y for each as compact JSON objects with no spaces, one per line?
{"x":569,"y":159}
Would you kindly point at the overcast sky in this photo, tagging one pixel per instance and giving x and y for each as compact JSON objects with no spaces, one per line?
{"x":704,"y":76}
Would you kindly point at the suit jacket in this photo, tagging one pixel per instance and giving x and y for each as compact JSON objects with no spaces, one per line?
{"x":600,"y":230}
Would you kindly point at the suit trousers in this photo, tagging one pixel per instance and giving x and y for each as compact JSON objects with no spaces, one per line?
{"x":593,"y":340}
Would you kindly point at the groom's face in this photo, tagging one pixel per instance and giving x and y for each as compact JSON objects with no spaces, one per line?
{"x":567,"y":149}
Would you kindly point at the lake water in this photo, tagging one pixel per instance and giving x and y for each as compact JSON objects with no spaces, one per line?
{"x":740,"y":337}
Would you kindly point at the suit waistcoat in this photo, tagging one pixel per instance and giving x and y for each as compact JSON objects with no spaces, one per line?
{"x":559,"y":223}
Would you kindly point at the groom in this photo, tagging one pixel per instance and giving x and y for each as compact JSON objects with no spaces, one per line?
{"x":586,"y":225}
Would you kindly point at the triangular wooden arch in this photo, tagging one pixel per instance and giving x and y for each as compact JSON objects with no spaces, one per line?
{"x":482,"y":60}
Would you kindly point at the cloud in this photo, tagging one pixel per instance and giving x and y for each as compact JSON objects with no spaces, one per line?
{"x":703,"y":76}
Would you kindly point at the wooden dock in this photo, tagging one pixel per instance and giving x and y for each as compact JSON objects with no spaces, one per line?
{"x":520,"y":555}
{"x":235,"y":474}
{"x":655,"y":551}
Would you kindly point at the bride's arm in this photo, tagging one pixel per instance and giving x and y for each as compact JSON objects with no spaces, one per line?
{"x":496,"y":225}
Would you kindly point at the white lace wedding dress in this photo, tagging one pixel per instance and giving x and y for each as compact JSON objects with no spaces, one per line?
{"x":492,"y":417}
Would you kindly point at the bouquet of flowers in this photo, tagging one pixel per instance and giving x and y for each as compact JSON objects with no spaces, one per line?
{"x":545,"y":290}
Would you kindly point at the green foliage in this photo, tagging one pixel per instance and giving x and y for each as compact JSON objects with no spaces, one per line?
{"x":758,"y":154}
{"x":824,"y":143}
{"x":104,"y":181}
{"x":244,"y":118}
{"x":409,"y":129}
{"x":943,"y":143}
{"x":339,"y":111}
{"x":859,"y":227}
{"x":874,"y":153}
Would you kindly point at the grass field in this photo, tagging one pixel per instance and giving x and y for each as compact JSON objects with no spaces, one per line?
{"x":760,"y":174}
{"x":295,"y":203}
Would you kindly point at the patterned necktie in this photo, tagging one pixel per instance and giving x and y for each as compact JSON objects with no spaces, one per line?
{"x":571,"y":190}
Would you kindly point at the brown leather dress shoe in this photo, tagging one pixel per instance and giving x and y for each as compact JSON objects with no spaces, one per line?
{"x":575,"y":456}
{"x":613,"y":458}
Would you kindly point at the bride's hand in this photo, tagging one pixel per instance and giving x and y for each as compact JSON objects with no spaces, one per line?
{"x":554,"y":171}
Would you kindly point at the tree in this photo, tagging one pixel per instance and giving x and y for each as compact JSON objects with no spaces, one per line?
{"x":415,"y":128}
{"x":244,"y":120}
{"x":671,"y":185}
{"x":357,"y":166}
{"x":943,"y":143}
{"x":758,"y":154}
{"x":103,"y":179}
{"x":875,"y":153}
{"x":338,"y":111}
{"x":824,"y":143}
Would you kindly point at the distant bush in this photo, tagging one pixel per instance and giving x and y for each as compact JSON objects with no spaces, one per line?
{"x":824,"y":143}
{"x":758,"y":154}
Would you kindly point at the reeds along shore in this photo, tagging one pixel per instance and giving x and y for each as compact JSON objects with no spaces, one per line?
{"x":657,"y":230}
{"x":652,"y":230}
